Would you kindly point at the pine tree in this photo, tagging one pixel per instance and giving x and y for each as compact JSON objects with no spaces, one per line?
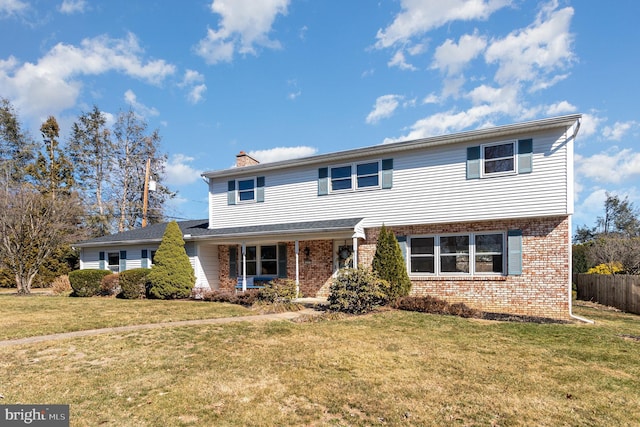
{"x":171,"y":275}
{"x":17,"y":149}
{"x":389,"y":263}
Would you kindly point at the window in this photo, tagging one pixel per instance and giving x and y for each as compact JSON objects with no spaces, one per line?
{"x":480,"y":253}
{"x":262,"y":260}
{"x":246,"y":190}
{"x":454,"y":254}
{"x":114,"y":261}
{"x":498,"y":158}
{"x":341,"y":178}
{"x":422,"y":255}
{"x":489,"y":253}
{"x":367,"y":174}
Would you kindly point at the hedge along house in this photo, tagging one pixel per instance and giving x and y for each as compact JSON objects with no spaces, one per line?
{"x":483,"y":217}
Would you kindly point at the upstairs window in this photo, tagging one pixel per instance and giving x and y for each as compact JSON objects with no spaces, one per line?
{"x":368,"y":175}
{"x":246,"y":190}
{"x":341,"y":178}
{"x":499,"y":159}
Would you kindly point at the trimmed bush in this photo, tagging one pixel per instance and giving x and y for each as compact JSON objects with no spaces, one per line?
{"x":133,"y":283}
{"x":357,"y":291}
{"x":429,"y":304}
{"x":389,"y":264}
{"x":86,"y":283}
{"x":171,"y":275}
{"x":278,"y":290}
{"x":7,"y":280}
{"x":245,"y":299}
{"x":110,"y":285}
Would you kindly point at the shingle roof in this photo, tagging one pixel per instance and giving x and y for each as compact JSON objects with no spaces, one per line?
{"x":197,"y":229}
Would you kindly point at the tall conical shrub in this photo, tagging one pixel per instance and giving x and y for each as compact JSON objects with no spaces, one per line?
{"x":389,"y":263}
{"x":171,"y":275}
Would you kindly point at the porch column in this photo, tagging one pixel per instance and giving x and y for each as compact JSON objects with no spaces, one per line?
{"x":244,"y":267}
{"x":355,"y":252}
{"x":297,"y":268}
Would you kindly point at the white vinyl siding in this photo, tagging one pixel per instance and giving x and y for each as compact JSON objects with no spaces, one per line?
{"x":90,"y":257}
{"x":429,"y":186}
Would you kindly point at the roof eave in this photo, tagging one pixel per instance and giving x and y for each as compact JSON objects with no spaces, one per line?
{"x":500,"y":131}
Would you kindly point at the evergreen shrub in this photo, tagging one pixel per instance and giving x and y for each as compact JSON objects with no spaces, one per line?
{"x":133,"y":283}
{"x":357,"y":291}
{"x":171,"y":275}
{"x":86,"y":283}
{"x":389,"y":264}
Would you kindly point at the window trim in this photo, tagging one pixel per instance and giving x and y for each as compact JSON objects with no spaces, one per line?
{"x":472,"y":255}
{"x":354,"y":176}
{"x":514,"y":158}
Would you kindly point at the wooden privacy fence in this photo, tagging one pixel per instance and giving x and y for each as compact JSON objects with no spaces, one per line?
{"x":621,"y":291}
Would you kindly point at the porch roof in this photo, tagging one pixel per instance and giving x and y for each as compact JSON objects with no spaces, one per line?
{"x":198,"y":230}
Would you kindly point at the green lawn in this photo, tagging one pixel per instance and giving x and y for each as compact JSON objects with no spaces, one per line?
{"x":389,"y":368}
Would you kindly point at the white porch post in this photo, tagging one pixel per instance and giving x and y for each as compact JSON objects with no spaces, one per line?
{"x":297,"y":268}
{"x":244,"y":267}
{"x":355,"y":252}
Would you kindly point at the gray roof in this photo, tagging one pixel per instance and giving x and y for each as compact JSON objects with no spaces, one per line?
{"x":198,"y":229}
{"x":383,"y":149}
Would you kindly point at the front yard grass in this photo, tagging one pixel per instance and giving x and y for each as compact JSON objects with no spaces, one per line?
{"x":388,"y":368}
{"x":25,"y":316}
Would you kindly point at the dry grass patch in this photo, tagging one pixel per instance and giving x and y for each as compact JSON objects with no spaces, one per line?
{"x":25,"y":316}
{"x":389,"y":368}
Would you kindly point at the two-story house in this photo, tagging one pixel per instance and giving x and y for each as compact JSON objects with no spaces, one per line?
{"x":483,"y":217}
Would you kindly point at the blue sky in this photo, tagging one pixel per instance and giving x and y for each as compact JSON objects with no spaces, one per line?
{"x":288,"y":78}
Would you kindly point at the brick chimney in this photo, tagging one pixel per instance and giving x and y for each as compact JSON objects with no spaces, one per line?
{"x":243,"y":159}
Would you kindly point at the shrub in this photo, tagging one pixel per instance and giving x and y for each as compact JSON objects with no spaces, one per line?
{"x":389,"y":264}
{"x":429,"y":304}
{"x":171,"y":275}
{"x":278,"y":290}
{"x":357,"y":291}
{"x":86,"y":283}
{"x":110,"y":285}
{"x":245,"y":299}
{"x":133,"y":283}
{"x":61,"y":285}
{"x":609,"y":268}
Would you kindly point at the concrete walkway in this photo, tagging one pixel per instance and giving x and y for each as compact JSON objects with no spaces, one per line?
{"x":289,"y":315}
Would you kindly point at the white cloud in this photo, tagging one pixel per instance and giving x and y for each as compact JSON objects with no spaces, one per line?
{"x":560,"y":108}
{"x":73,"y":6}
{"x":384,"y":108}
{"x":420,"y":16}
{"x":589,"y":125}
{"x":244,"y":25}
{"x":194,"y":82}
{"x":618,"y":130}
{"x":12,"y":7}
{"x":141,"y":109}
{"x":178,"y":171}
{"x":534,"y":53}
{"x":614,"y":167}
{"x":53,"y":83}
{"x":398,"y":60}
{"x":451,"y":58}
{"x":282,"y":153}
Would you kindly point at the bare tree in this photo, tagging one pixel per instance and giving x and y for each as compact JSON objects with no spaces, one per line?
{"x":91,"y":150}
{"x":616,"y":250}
{"x":32,"y":226}
{"x":134,"y":145}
